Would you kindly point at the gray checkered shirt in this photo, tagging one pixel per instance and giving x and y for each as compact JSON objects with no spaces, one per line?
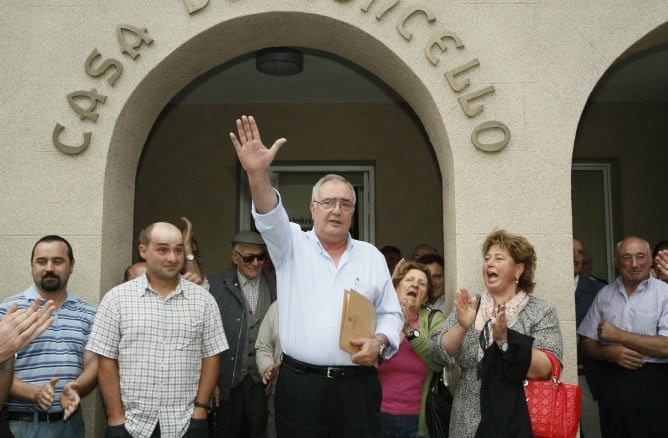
{"x":251,"y":289}
{"x":159,"y":345}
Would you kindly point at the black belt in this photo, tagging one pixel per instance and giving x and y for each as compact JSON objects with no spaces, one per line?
{"x":329,"y":372}
{"x":49,"y":417}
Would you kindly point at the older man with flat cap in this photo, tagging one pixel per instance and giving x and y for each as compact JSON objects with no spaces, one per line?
{"x":243,"y":293}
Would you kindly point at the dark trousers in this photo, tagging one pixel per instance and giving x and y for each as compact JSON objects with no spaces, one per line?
{"x":244,"y":415}
{"x":198,"y":428}
{"x":4,"y":427}
{"x":314,"y":406}
{"x":633,"y":403}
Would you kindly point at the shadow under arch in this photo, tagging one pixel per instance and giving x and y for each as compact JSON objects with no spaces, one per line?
{"x":617,"y":157}
{"x":226,"y":41}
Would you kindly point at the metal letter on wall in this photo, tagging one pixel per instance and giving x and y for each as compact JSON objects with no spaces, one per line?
{"x":408,"y":13}
{"x":438,"y":40}
{"x":486,"y":126}
{"x":65,"y":148}
{"x":465,"y":101}
{"x":86,"y":113}
{"x":195,"y":5}
{"x":129,"y":48}
{"x":379,"y":15}
{"x":458,"y":86}
{"x":102,"y":69}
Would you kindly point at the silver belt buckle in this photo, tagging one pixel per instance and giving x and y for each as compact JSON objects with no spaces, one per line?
{"x":331,"y":373}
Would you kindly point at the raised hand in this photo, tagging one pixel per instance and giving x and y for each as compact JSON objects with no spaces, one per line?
{"x":187,"y":234}
{"x":253,"y":154}
{"x":661,"y":265}
{"x":18,"y":328}
{"x":467,"y":308}
{"x":499,"y":326}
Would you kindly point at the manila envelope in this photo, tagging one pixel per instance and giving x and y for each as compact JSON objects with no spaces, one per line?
{"x":358,"y":320}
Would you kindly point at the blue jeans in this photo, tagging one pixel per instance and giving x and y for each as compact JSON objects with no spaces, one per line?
{"x":72,"y":428}
{"x":399,"y":426}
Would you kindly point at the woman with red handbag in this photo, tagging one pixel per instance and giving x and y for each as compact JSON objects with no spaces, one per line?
{"x":499,"y":335}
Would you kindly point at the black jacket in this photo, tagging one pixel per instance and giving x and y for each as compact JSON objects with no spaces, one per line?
{"x":503,"y":407}
{"x":226,"y":290}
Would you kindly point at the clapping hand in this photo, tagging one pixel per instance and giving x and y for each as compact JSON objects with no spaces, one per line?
{"x":69,"y":399}
{"x":467,"y":308}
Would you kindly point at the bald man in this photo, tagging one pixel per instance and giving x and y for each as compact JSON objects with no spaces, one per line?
{"x":626,"y":330}
{"x":158,"y":339}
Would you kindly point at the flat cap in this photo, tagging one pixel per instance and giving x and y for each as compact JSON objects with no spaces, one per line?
{"x":248,"y":237}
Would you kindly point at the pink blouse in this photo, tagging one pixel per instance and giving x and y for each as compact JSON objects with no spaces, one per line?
{"x":402,"y":380}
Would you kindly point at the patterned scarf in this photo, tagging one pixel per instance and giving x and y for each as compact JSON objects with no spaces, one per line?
{"x":488,"y":314}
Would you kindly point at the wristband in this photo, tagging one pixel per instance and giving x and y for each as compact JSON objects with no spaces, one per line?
{"x":204,"y":406}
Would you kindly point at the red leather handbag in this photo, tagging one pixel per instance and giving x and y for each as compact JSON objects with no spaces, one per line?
{"x":554,"y":407}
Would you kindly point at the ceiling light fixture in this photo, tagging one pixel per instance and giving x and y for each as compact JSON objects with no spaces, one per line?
{"x":279,"y":61}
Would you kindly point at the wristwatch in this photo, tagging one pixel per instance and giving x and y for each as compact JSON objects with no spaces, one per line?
{"x":382,"y":346}
{"x":203,"y":406}
{"x":412,"y":334}
{"x":190,"y":257}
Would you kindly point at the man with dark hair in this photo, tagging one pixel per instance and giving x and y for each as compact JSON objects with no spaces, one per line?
{"x":626,"y":331}
{"x":392,"y":256}
{"x":435,"y":264}
{"x":54,"y":371}
{"x":158,"y":339}
{"x":243,"y":293}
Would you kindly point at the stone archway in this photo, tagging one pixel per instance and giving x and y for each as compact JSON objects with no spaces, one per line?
{"x":620,"y":132}
{"x":202,"y":52}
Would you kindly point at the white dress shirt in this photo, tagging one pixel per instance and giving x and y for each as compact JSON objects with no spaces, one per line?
{"x":310,"y":288}
{"x":645,"y":312}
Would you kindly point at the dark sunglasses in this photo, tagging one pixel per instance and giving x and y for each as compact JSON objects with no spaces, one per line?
{"x":250,"y":257}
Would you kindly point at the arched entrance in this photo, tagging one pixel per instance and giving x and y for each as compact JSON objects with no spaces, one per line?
{"x":372,"y":137}
{"x":619,"y":156}
{"x":195,"y":57}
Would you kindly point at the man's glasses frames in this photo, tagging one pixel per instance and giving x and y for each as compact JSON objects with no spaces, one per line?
{"x":330,"y":203}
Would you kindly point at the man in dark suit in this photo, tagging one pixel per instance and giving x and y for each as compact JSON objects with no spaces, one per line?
{"x":243,"y":293}
{"x":586,"y":289}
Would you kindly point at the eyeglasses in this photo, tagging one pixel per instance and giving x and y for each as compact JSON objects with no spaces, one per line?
{"x":330,"y":203}
{"x":250,"y":257}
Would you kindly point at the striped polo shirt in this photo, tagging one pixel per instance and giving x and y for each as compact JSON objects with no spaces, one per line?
{"x":58,"y":352}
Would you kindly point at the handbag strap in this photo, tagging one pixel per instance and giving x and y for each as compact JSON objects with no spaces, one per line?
{"x":432,"y":312}
{"x":556,"y":367}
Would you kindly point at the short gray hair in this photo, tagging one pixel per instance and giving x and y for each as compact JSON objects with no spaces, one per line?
{"x":331,"y":177}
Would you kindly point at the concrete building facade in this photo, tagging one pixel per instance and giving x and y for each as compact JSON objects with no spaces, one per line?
{"x":495,"y":92}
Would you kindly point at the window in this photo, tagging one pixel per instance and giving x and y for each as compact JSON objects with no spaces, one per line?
{"x":296,"y":183}
{"x":592,"y":215}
